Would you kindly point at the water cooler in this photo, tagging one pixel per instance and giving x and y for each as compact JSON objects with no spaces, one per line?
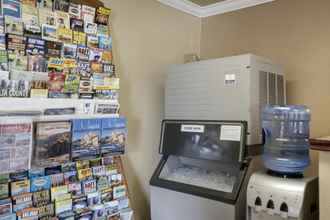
{"x":283,"y":191}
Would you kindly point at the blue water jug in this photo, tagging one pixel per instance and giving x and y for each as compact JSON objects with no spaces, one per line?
{"x":286,"y":133}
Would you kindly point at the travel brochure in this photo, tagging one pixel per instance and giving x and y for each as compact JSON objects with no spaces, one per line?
{"x":98,"y":194}
{"x":32,"y":33}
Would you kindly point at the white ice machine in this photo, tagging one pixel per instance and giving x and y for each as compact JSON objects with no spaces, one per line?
{"x":231,"y":88}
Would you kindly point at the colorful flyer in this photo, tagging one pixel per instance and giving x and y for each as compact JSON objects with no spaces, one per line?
{"x":69,"y":51}
{"x":63,"y":205}
{"x":78,"y":38}
{"x":93,"y":198}
{"x":45,"y":211}
{"x":20,"y":187}
{"x":64,"y":34}
{"x":75,"y":188}
{"x":47,"y":4}
{"x":41,"y":197}
{"x":70,"y":177}
{"x":49,"y":32}
{"x":90,"y":28}
{"x":58,"y":191}
{"x":61,"y":5}
{"x":119,"y":191}
{"x":105,"y":42}
{"x":113,"y":135}
{"x":57,"y":179}
{"x":83,"y":53}
{"x":85,"y":138}
{"x":84,"y":173}
{"x":40,"y":183}
{"x":35,"y":46}
{"x":53,"y":49}
{"x":11,"y":8}
{"x":69,"y":166}
{"x":87,"y":13}
{"x":89,"y":186}
{"x":71,"y":84}
{"x":3,"y":60}
{"x":47,"y":16}
{"x":106,"y":57}
{"x":5,"y":206}
{"x":36,"y":63}
{"x":13,"y":25}
{"x":62,"y":19}
{"x":75,"y":10}
{"x":102,"y":15}
{"x":77,"y":24}
{"x":92,"y":41}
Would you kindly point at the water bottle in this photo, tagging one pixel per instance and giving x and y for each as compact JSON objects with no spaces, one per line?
{"x":286,"y":133}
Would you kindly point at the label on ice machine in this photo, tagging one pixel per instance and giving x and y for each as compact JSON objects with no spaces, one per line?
{"x":230,"y":133}
{"x":192,"y":128}
{"x":230,"y":79}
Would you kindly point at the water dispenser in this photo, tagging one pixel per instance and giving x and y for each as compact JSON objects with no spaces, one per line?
{"x":282,"y":191}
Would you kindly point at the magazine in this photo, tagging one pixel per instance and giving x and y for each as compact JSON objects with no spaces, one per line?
{"x":55,"y":63}
{"x":102,"y":15}
{"x":106,"y":57}
{"x":85,"y":138}
{"x":107,"y":108}
{"x":96,"y":67}
{"x":46,"y":16}
{"x":78,"y":38}
{"x":103,"y":30}
{"x":92,"y":41}
{"x":71,"y":84}
{"x":105,"y":42}
{"x":62,"y":19}
{"x":36,"y":63}
{"x":113,"y":135}
{"x":2,"y":24}
{"x":95,"y":55}
{"x":83,"y":68}
{"x":107,"y":94}
{"x":17,"y":61}
{"x":45,"y":4}
{"x":61,"y":5}
{"x":49,"y":32}
{"x":3,"y":60}
{"x":86,"y":88}
{"x":2,"y":41}
{"x":11,"y":8}
{"x":64,"y":35}
{"x":56,"y":85}
{"x":13,"y":25}
{"x":31,"y":20}
{"x":90,"y":28}
{"x":35,"y":46}
{"x":77,"y":24}
{"x":69,"y":51}
{"x":87,"y":13}
{"x":16,"y":43}
{"x":75,"y":10}
{"x":52,"y":143}
{"x":110,"y":69}
{"x":53,"y":49}
{"x":82,"y":53}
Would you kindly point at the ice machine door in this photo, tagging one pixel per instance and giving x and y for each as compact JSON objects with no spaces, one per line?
{"x":221,"y":141}
{"x":200,"y":177}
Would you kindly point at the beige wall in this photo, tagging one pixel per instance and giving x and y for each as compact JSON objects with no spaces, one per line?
{"x":148,"y":36}
{"x":294,"y":33}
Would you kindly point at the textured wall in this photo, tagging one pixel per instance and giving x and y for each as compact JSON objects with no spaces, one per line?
{"x":293,"y":33}
{"x":148,"y":37}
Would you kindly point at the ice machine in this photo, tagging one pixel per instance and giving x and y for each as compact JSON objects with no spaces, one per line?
{"x":203,"y":172}
{"x":230,"y":88}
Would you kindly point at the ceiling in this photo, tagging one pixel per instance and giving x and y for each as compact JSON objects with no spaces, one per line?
{"x":205,"y":2}
{"x":206,"y":8}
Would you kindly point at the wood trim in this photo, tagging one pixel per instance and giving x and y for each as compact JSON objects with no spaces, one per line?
{"x":320,"y":145}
